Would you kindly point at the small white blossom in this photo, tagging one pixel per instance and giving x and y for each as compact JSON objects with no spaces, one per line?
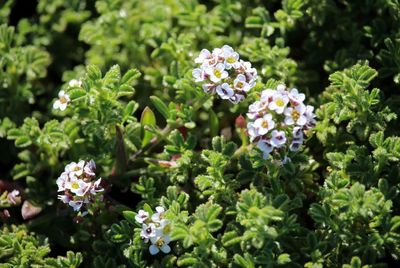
{"x":199,"y":75}
{"x":204,"y":54}
{"x":278,"y":138}
{"x":61,"y":181}
{"x":224,"y":91}
{"x":75,"y":83}
{"x":278,"y":103}
{"x":156,"y":217}
{"x":142,"y":216}
{"x":241,"y":84}
{"x":62,"y":102}
{"x":296,"y":115}
{"x":76,"y":205}
{"x":160,"y":243}
{"x":295,"y":97}
{"x":264,"y":124}
{"x":78,"y":187}
{"x":266,"y":147}
{"x":217,"y":73}
{"x":148,"y":230}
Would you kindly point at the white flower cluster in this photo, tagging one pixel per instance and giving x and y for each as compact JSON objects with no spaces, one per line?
{"x":156,"y":229}
{"x":222,"y":71}
{"x":279,"y":119}
{"x":79,"y":185}
{"x":63,"y":98}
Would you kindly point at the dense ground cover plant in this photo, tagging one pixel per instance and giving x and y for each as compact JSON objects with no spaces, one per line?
{"x":200,"y":133}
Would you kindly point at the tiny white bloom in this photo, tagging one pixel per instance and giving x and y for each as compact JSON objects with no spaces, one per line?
{"x":295,"y":97}
{"x":252,"y":131}
{"x":90,"y":168}
{"x":236,"y":98}
{"x":96,"y":187}
{"x":294,"y":146}
{"x":148,"y":230}
{"x":208,"y":88}
{"x":156,"y":217}
{"x":266,"y":147}
{"x":225,"y":91}
{"x":267,"y":95}
{"x":295,"y":115}
{"x":297,"y":133}
{"x":61,"y":181}
{"x":278,"y":103}
{"x":278,"y":138}
{"x":204,"y":54}
{"x":231,"y":59}
{"x":310,"y":116}
{"x":281,"y":88}
{"x":264,"y":124}
{"x":62,"y":102}
{"x":76,"y":205}
{"x":160,"y":243}
{"x":217,"y":73}
{"x":64,"y":198}
{"x":198,"y":74}
{"x":75,"y":83}
{"x":241,"y":84}
{"x":78,"y":187}
{"x":75,"y":169}
{"x":142,"y":216}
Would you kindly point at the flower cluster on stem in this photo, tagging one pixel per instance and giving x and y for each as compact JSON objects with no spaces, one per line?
{"x":278,"y":120}
{"x":155,"y":229}
{"x":79,"y":185}
{"x":222,"y":72}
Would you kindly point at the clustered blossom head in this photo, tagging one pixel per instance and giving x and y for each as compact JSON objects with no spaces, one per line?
{"x":222,"y":72}
{"x":156,"y":229}
{"x":279,"y":119}
{"x":79,"y":185}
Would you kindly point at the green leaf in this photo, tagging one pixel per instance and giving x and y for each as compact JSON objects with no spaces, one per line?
{"x":93,"y":72}
{"x":129,"y":216}
{"x":147,"y":119}
{"x":23,"y":141}
{"x":161,"y":107}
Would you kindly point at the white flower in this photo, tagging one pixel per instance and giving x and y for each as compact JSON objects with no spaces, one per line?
{"x":279,"y":102}
{"x":64,"y":198}
{"x":281,"y":88}
{"x":204,"y":54}
{"x":75,"y":83}
{"x":231,"y":59}
{"x":61,"y":181}
{"x":217,"y":73}
{"x":75,"y":169}
{"x":160,"y":243}
{"x":142,"y":216}
{"x":96,"y":187}
{"x":78,"y":186}
{"x":224,"y":91}
{"x":266,"y":147}
{"x":264,"y":124}
{"x":252,"y":131}
{"x":199,"y":75}
{"x":267,"y":95}
{"x":76,"y":205}
{"x":208,"y":88}
{"x":240,"y":83}
{"x":62,"y":102}
{"x":156,"y":217}
{"x":90,"y":168}
{"x":235,"y":99}
{"x":296,"y":115}
{"x":278,"y":138}
{"x":294,"y":146}
{"x":148,"y":230}
{"x":297,"y":133}
{"x":295,"y":97}
{"x":310,"y":116}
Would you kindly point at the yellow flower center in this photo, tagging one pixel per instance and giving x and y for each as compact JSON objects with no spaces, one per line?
{"x":217,"y":73}
{"x":230,"y":59}
{"x":280,"y":102}
{"x":63,"y":100}
{"x":295,"y":115}
{"x":160,"y":242}
{"x":75,"y":185}
{"x":240,"y":84}
{"x":264,"y":124}
{"x":167,"y":229}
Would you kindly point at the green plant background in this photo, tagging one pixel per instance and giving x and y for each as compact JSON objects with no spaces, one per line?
{"x":335,"y":205}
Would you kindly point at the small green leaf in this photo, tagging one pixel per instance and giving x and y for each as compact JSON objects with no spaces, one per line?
{"x":129,"y":216}
{"x":147,"y":119}
{"x":160,"y":106}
